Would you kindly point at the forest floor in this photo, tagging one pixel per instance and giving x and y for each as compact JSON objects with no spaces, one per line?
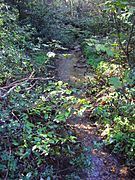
{"x":72,"y":68}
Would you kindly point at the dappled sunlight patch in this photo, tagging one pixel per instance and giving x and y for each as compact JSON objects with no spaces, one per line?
{"x":108,"y":69}
{"x":83,"y":127}
{"x":124,"y":171}
{"x":66,"y":56}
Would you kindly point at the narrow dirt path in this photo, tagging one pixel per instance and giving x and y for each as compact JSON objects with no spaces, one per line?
{"x":72,"y":68}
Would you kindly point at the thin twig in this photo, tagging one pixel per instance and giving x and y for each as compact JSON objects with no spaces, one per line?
{"x":7,"y":93}
{"x":13,"y":85}
{"x":6,"y":176}
{"x":15,"y":115}
{"x":126,"y":49}
{"x":24,"y":80}
{"x":118,"y":34}
{"x":130,"y":36}
{"x":18,"y":81}
{"x":29,"y":88}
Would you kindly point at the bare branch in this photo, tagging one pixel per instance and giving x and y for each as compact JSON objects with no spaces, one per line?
{"x":13,"y":85}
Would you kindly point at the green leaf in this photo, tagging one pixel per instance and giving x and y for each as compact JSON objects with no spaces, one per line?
{"x":100,"y":47}
{"x":115,"y":82}
{"x":15,"y":142}
{"x":2,"y":167}
{"x":26,"y":154}
{"x":109,"y":52}
{"x":46,"y":116}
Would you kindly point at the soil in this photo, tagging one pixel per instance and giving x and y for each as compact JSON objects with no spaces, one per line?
{"x":72,"y":68}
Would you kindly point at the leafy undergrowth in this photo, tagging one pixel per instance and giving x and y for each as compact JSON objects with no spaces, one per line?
{"x":112,"y":93}
{"x":36,"y":142}
{"x":35,"y":139}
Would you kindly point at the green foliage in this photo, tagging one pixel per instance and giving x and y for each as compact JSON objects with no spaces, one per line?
{"x":118,"y":116}
{"x":35,"y":138}
{"x":40,"y":58}
{"x":122,"y":14}
{"x":100,"y":46}
{"x":13,"y":60}
{"x":114,"y":105}
{"x":98,"y":52}
{"x":115,"y":82}
{"x":93,"y":58}
{"x":39,"y":136}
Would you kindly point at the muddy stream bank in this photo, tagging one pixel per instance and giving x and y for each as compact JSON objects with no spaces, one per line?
{"x":72,"y":68}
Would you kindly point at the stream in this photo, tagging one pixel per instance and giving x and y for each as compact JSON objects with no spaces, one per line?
{"x":72,"y":68}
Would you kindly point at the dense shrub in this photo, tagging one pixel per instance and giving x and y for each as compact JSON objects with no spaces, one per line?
{"x":113,"y":87}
